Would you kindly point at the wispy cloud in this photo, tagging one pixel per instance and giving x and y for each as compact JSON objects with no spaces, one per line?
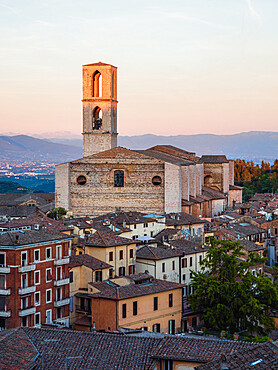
{"x":255,"y":15}
{"x":197,"y":20}
{"x":10,"y":8}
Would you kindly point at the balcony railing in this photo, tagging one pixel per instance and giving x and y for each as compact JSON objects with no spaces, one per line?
{"x":61,"y":261}
{"x":27,"y":311}
{"x":27,"y":290}
{"x":5,"y":291}
{"x":27,"y":268}
{"x":4,"y":270}
{"x":61,"y":282}
{"x":4,"y":313}
{"x":62,"y":302}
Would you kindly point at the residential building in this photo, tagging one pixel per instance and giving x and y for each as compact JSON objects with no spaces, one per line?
{"x":82,"y":270}
{"x":112,"y":249}
{"x":136,"y":302}
{"x":160,"y":262}
{"x":34,"y":278}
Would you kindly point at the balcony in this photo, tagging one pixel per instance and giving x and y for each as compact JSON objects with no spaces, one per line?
{"x":27,"y":311}
{"x":4,"y":270}
{"x":62,"y":302}
{"x":4,"y":313}
{"x":27,"y":290}
{"x":27,"y":268}
{"x":61,"y":282}
{"x":5,"y":291}
{"x":62,"y":261}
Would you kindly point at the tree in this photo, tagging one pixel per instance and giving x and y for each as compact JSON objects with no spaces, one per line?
{"x":58,"y":213}
{"x":230,"y":297}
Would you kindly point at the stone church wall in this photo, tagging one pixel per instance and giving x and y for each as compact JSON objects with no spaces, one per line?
{"x":62,"y":191}
{"x":173,"y":188}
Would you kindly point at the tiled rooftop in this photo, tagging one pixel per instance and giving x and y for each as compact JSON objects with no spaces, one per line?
{"x":88,"y":261}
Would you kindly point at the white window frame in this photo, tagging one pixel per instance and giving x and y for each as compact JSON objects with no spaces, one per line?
{"x":48,"y":290}
{"x":61,"y":295}
{"x":38,"y":314}
{"x":26,"y":321}
{"x":24,"y":279}
{"x":22,"y":253}
{"x":39,"y":272}
{"x":59,"y":268}
{"x":37,"y":304}
{"x":37,"y":250}
{"x":48,"y":248}
{"x":21,"y":305}
{"x":5,"y":261}
{"x":59,"y":247}
{"x":46,"y":275}
{"x":50,"y":316}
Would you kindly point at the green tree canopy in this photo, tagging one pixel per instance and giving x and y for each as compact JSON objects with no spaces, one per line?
{"x":230,"y":296}
{"x":57,"y":213}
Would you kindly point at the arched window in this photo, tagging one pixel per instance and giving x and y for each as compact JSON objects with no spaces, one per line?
{"x":97,"y":84}
{"x":119,"y":179}
{"x":97,"y":118}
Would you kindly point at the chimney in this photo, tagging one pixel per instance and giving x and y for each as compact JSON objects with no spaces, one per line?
{"x":124,"y":224}
{"x":195,"y":247}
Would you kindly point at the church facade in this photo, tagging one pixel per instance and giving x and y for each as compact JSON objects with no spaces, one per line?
{"x":156,"y":180}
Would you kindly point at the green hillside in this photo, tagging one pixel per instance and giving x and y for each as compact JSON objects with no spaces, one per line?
{"x":9,"y":187}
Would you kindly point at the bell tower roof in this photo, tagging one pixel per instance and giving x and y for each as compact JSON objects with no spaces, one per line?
{"x":98,"y":64}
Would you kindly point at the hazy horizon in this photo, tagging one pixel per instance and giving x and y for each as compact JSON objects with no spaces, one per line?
{"x":185,"y":67}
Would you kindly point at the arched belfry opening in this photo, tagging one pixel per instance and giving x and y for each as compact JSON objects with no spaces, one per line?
{"x":97,"y":85}
{"x":97,"y":118}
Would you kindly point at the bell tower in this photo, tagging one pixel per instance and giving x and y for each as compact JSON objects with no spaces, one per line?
{"x":99,"y":108}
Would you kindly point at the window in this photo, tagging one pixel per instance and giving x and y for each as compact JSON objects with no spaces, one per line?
{"x":110,"y":256}
{"x":24,"y":281}
{"x":71,"y":276}
{"x":121,"y":255}
{"x":97,"y":85}
{"x":254,"y":272}
{"x":156,"y":328}
{"x":156,"y":180}
{"x":190,"y":275}
{"x":37,"y":277}
{"x":48,"y":295}
{"x":171,"y":300}
{"x":24,"y":321}
{"x":171,"y":327}
{"x":59,"y":296}
{"x":173,"y":265}
{"x":163,"y":267}
{"x":37,"y":318}
{"x":59,"y":252}
{"x":2,"y":260}
{"x":23,"y":258}
{"x":2,"y":282}
{"x":131,"y":253}
{"x":37,"y":298}
{"x":98,"y":276}
{"x":118,"y":179}
{"x":135,"y":308}
{"x":97,"y":118}
{"x":81,"y":180}
{"x":2,"y":303}
{"x":59,"y":273}
{"x":155,"y":303}
{"x":184,"y":262}
{"x":134,"y":237}
{"x":121,"y":271}
{"x":183,"y":277}
{"x":191,"y":261}
{"x":131,"y":269}
{"x":24,"y":303}
{"x":48,"y":316}
{"x":36,"y":255}
{"x":110,"y":273}
{"x":145,"y":225}
{"x":260,"y":271}
{"x":48,"y":253}
{"x":48,"y":275}
{"x":2,"y":324}
{"x":124,"y":311}
{"x":134,"y":226}
{"x":167,"y":364}
{"x":200,"y":259}
{"x":59,"y":313}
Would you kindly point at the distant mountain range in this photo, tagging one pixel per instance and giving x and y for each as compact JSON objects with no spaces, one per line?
{"x":253,"y":145}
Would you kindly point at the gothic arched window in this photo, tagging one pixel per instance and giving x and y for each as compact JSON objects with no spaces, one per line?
{"x":119,"y":179}
{"x":97,"y":118}
{"x":97,"y":84}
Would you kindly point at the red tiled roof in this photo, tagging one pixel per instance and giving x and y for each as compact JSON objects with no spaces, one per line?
{"x":88,"y":261}
{"x":106,"y":239}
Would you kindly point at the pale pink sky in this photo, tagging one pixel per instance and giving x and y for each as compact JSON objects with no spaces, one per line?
{"x":184,"y":67}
